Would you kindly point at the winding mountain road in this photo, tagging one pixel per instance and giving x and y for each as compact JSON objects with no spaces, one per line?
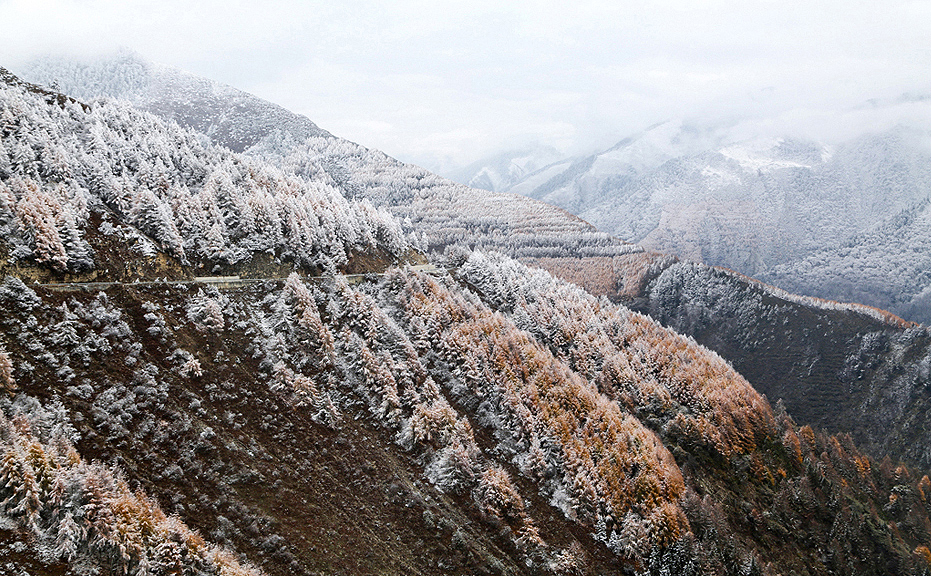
{"x":220,"y":281}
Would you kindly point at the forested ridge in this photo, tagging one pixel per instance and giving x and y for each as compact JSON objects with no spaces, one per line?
{"x":837,"y":366}
{"x":443,"y":212}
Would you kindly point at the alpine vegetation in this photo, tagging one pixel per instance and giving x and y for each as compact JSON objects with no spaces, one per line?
{"x":70,"y":170}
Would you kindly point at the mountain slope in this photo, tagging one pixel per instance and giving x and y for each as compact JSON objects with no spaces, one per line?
{"x":68,"y":169}
{"x":502,"y":171}
{"x":888,"y":265}
{"x":840,"y":367}
{"x":499,"y":421}
{"x":230,"y":117}
{"x":445,"y":212}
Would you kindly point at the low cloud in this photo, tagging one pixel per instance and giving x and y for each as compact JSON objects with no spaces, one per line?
{"x":449,"y":82}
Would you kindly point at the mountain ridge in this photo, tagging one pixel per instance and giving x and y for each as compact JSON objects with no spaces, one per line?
{"x":447,"y":213}
{"x":231,"y":117}
{"x":835,"y":366}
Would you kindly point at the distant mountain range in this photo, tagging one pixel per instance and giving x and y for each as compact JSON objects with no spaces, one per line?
{"x":887,"y":265}
{"x":822,"y":220}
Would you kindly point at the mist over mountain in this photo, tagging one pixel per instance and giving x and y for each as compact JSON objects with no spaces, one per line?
{"x":502,"y":171}
{"x":798,"y":213}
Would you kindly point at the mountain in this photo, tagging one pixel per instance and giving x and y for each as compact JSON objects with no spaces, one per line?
{"x":888,"y":265}
{"x":490,"y":420}
{"x":230,"y":117}
{"x":793,"y":211}
{"x":449,"y":215}
{"x":500,"y":172}
{"x":446,"y":213}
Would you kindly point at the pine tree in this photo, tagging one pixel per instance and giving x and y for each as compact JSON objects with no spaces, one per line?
{"x":38,"y":214}
{"x":6,"y":372}
{"x":154,"y":218}
{"x":214,"y":244}
{"x":68,"y":538}
{"x":20,"y":487}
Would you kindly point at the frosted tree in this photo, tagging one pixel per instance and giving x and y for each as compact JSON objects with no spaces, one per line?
{"x":191,"y":368}
{"x":85,"y":512}
{"x":206,"y":313}
{"x":154,"y":218}
{"x":6,"y":372}
{"x":38,"y":214}
{"x":214,"y":243}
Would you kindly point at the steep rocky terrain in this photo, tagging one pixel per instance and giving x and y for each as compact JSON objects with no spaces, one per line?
{"x":495,"y":420}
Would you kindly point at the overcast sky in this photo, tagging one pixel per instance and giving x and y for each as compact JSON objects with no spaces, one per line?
{"x":443,"y":83}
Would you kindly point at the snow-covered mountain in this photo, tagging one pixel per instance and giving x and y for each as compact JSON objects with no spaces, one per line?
{"x":887,"y":265}
{"x":231,"y":117}
{"x":189,"y":198}
{"x":762,"y":206}
{"x":444,"y":212}
{"x":500,"y":172}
